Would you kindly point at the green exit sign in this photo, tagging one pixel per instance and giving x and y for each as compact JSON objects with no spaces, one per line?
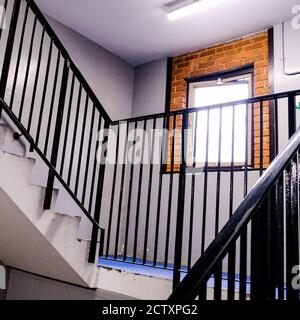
{"x":298,"y":105}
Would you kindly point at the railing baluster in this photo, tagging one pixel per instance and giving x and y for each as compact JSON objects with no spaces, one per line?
{"x":41,"y":113}
{"x":98,"y":203}
{"x":261,"y":138}
{"x":81,"y":145}
{"x":204,"y":206}
{"x":146,"y":236}
{"x":36,"y":81}
{"x":19,"y":56}
{"x":9,"y":48}
{"x":27,"y":69}
{"x":292,"y":226}
{"x":232,"y":251}
{"x":100,"y":120}
{"x":52,"y":103}
{"x":191,"y":225}
{"x":111,"y":208}
{"x":67,"y":126}
{"x":129,"y":194}
{"x":138,"y":204}
{"x":166,"y":124}
{"x":180,"y":202}
{"x":88,"y":156}
{"x":279,"y":238}
{"x":170,"y":193}
{"x":292,"y":114}
{"x":121,"y":191}
{"x":57,"y":132}
{"x":244,"y":236}
{"x":74,"y":135}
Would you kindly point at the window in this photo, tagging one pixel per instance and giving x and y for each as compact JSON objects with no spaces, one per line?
{"x":218,"y":91}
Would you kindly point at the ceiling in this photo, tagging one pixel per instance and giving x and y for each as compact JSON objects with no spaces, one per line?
{"x":138,"y":30}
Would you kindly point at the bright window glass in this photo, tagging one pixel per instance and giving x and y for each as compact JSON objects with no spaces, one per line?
{"x":208,"y":95}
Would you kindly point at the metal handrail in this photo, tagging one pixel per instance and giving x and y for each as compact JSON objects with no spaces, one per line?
{"x":67,"y":56}
{"x":256,"y":99}
{"x":206,"y":264}
{"x":27,"y":136}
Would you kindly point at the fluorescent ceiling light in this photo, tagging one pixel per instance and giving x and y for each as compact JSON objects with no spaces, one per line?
{"x":189,"y":9}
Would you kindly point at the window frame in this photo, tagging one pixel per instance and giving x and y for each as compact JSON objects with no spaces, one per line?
{"x":210,"y":79}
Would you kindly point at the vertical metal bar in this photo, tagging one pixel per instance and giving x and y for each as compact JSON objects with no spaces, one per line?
{"x":52,"y":103}
{"x":137,"y":214}
{"x":129,"y":194}
{"x":243,"y":238}
{"x":101,"y":246}
{"x":27,"y":69}
{"x":36,"y":81}
{"x":9,"y":48}
{"x":203,"y":232}
{"x":292,"y":226}
{"x":232,"y":251}
{"x":100,"y":119}
{"x":44,"y":94}
{"x":74,"y":134}
{"x":270,"y":246}
{"x":19,"y":56}
{"x":259,"y":253}
{"x":57,"y":132}
{"x":218,"y":175}
{"x":111,"y":209}
{"x":67,"y":126}
{"x":81,"y":145}
{"x":88,"y":155}
{"x":276,"y":128}
{"x":218,"y":282}
{"x":121,"y":191}
{"x":149,"y":192}
{"x":279,"y":238}
{"x":261,"y":139}
{"x":292,"y":114}
{"x":180,"y":202}
{"x":98,"y":202}
{"x":165,"y":125}
{"x":170,"y":195}
{"x":190,"y":249}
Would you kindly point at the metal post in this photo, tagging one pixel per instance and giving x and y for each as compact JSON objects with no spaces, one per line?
{"x":180,"y":203}
{"x":56,"y":139}
{"x":292,"y":114}
{"x":9,"y":48}
{"x":94,"y":238}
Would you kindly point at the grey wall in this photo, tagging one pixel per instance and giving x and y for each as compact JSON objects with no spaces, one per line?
{"x":292,"y":44}
{"x":110,"y":77}
{"x":26,"y":286}
{"x":149,"y":88}
{"x":283,"y":82}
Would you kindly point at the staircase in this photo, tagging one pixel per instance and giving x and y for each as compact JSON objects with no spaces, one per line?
{"x":170,"y":207}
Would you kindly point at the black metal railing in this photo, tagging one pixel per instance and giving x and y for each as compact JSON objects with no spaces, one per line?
{"x":269,"y":262}
{"x":169,"y":194}
{"x":174,"y":179}
{"x":44,"y":94}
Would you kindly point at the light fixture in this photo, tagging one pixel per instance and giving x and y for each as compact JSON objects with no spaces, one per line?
{"x":190,"y":8}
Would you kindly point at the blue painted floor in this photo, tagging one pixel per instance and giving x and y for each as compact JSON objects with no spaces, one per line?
{"x":159,"y":271}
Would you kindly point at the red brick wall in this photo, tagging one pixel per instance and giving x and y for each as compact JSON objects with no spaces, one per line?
{"x":222,"y":57}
